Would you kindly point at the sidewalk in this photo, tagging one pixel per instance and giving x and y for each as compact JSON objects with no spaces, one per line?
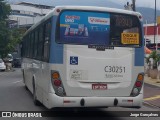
{"x":150,"y":81}
{"x":152,"y":92}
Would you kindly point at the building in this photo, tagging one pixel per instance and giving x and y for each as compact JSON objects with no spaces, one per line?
{"x":151,"y":31}
{"x":25,"y":14}
{"x":152,"y":36}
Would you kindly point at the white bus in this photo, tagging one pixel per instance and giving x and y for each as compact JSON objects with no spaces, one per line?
{"x":83,"y":56}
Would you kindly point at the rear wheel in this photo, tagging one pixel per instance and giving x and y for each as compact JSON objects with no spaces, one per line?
{"x":36,"y":102}
{"x":26,"y":87}
{"x":24,"y":81}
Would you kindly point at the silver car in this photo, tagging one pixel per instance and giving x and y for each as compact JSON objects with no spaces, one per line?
{"x":2,"y":65}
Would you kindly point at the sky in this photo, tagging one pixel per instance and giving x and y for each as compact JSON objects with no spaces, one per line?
{"x":139,"y":3}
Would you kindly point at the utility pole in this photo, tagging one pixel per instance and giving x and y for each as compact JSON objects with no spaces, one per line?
{"x":155,"y":16}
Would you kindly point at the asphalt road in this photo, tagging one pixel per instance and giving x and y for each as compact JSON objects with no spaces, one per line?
{"x":14,"y":97}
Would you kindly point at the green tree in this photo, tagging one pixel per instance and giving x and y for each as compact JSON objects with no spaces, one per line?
{"x":5,"y":34}
{"x":9,"y":37}
{"x":16,"y":37}
{"x":4,"y":10}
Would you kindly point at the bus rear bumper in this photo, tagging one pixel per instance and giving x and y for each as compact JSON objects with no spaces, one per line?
{"x":56,"y":101}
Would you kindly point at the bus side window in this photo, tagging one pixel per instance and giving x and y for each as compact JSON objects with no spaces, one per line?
{"x":26,"y":48}
{"x":47,"y":35}
{"x":35,"y":44}
{"x":32,"y":45}
{"x":28,"y":44}
{"x":40,"y":43}
{"x":23,"y":47}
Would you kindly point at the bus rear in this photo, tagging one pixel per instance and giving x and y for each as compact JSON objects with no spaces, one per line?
{"x":102,"y":57}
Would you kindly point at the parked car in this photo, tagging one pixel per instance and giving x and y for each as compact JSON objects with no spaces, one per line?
{"x":2,"y":65}
{"x":16,"y":62}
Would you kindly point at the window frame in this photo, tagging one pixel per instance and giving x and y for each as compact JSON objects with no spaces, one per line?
{"x":37,"y":42}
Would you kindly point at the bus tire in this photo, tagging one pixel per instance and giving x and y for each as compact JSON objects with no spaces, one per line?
{"x":24,"y":82}
{"x":26,"y":88}
{"x":36,"y":102}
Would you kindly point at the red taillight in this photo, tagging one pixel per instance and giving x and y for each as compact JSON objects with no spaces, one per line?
{"x":57,"y":82}
{"x":138,"y":84}
{"x":130,"y":100}
{"x":66,"y":101}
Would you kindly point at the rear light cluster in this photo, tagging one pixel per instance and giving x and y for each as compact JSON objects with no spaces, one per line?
{"x":57,"y":83}
{"x":138,"y":85}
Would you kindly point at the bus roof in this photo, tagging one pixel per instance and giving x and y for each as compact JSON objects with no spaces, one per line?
{"x":89,"y":8}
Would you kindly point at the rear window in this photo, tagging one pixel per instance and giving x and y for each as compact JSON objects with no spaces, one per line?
{"x":96,"y":28}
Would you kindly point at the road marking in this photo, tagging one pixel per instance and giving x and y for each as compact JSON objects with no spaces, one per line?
{"x":152,"y":98}
{"x":17,"y":81}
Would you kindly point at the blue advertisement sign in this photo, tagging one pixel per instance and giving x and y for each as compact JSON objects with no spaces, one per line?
{"x":84,"y":27}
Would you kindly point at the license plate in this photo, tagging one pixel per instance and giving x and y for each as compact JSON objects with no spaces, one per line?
{"x":99,"y":86}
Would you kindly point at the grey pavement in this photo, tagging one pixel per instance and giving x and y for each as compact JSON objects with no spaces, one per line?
{"x":152,"y":91}
{"x":14,"y":97}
